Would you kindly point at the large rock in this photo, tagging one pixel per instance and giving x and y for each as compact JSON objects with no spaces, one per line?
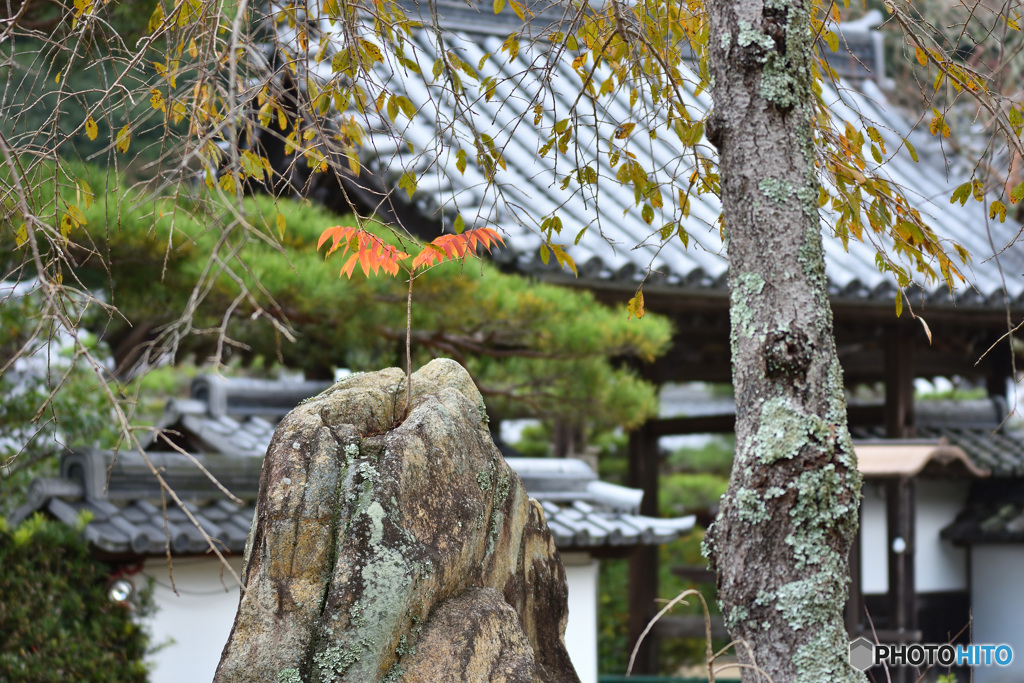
{"x":396,"y":550}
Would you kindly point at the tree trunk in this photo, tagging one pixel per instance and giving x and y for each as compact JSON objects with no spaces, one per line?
{"x":782,"y":538}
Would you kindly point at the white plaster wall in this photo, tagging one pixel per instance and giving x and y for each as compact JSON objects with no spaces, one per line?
{"x":998,"y":607}
{"x":874,"y":560}
{"x":581,"y":631}
{"x":196,"y":622}
{"x":938,"y":564}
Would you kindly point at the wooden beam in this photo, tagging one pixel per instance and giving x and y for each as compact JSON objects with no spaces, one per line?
{"x":695,"y":573}
{"x":699,"y":424}
{"x":691,"y":626}
{"x":858,"y":416}
{"x":643,"y":562}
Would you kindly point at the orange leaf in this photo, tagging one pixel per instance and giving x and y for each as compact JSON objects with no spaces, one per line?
{"x":452,"y":247}
{"x":368,"y":250}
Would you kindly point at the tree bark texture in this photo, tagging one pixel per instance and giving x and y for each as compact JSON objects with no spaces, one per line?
{"x":782,"y":538}
{"x":396,"y":550}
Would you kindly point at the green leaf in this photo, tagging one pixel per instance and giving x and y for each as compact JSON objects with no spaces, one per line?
{"x":157,"y":18}
{"x":1016,"y":120}
{"x":910,"y":148}
{"x":460,"y":161}
{"x":460,"y":225}
{"x":340,"y":61}
{"x":647,"y":213}
{"x":1017,"y":194}
{"x":408,"y":183}
{"x":961,"y":194}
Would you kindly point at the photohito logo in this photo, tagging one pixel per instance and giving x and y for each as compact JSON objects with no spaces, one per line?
{"x":864,"y":654}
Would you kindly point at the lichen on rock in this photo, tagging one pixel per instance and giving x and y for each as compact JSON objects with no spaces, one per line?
{"x":386,"y":524}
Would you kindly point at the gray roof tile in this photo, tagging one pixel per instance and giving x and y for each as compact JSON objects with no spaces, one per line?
{"x":582,"y":511}
{"x":531,"y":184}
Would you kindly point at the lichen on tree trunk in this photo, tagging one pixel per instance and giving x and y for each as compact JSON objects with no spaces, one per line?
{"x":782,"y":538}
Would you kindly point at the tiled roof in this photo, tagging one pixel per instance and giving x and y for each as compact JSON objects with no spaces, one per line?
{"x":127,"y":510}
{"x":994,"y":514}
{"x":994,"y":523}
{"x":974,"y":425}
{"x":999,"y":452}
{"x":531,"y":184}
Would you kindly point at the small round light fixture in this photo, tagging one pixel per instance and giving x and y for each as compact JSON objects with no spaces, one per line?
{"x":120,"y":591}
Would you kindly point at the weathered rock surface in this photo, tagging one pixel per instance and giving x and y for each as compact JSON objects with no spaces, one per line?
{"x":408,"y":552}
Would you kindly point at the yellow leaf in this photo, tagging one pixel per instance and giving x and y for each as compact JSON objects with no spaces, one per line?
{"x":157,"y":18}
{"x":353,"y":163}
{"x":281,"y":225}
{"x":564,"y":259}
{"x":833,"y":41}
{"x":86,"y":193}
{"x":57,"y":78}
{"x":91,"y":129}
{"x":922,"y":56}
{"x":21,"y":235}
{"x":371,"y":51}
{"x":636,"y":306}
{"x":623,"y":130}
{"x":156,"y":100}
{"x":997,"y":209}
{"x":193,"y":50}
{"x":66,"y":225}
{"x":124,"y":138}
{"x":498,"y":6}
{"x":76,"y":214}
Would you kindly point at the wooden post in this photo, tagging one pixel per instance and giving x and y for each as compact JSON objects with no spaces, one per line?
{"x":900,"y":504}
{"x":899,"y":385}
{"x":643,"y":561}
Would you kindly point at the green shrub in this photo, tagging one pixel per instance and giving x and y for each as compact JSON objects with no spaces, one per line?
{"x":56,"y":621}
